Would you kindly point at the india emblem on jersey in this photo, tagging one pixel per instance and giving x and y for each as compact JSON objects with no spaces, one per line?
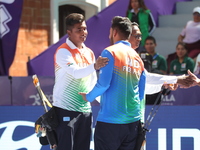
{"x":69,"y":64}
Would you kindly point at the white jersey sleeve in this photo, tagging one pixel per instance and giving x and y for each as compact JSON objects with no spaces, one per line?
{"x":65,"y":60}
{"x":154,"y":82}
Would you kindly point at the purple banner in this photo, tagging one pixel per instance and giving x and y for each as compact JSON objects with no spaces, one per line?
{"x":181,"y":96}
{"x":21,"y":91}
{"x":5,"y":97}
{"x":10,"y":11}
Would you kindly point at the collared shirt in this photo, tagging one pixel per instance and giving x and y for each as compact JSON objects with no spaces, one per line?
{"x":159,"y":63}
{"x":74,"y":72}
{"x":181,"y":68}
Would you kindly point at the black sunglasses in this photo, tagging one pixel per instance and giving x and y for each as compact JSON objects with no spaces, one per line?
{"x":196,"y":14}
{"x":139,"y":36}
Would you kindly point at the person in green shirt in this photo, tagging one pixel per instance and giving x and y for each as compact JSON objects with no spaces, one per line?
{"x":159,"y":63}
{"x":139,"y":13}
{"x":159,"y":66}
{"x":182,"y":63}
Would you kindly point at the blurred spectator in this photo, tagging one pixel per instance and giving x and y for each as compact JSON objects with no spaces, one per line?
{"x":191,"y":34}
{"x":182,"y":63}
{"x":170,"y":58}
{"x":159,"y":65}
{"x":197,"y":66}
{"x":139,"y":13}
{"x":147,"y":60}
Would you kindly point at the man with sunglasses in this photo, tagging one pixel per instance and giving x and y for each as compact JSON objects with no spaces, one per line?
{"x":154,"y":81}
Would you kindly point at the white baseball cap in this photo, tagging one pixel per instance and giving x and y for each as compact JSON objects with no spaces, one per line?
{"x":196,"y":9}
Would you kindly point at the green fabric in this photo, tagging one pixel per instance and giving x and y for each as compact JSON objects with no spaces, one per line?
{"x":143,"y":18}
{"x":159,"y":63}
{"x":142,"y":107}
{"x":181,"y":68}
{"x":130,"y":15}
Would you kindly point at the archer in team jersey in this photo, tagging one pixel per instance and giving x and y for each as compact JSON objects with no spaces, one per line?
{"x":118,"y":85}
{"x":75,"y":70}
{"x":121,"y":86}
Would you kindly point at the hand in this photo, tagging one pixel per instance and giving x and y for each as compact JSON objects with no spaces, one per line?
{"x":83,"y":96}
{"x":172,"y":87}
{"x":53,"y":146}
{"x":101,"y":62}
{"x":185,"y":81}
{"x":196,"y":80}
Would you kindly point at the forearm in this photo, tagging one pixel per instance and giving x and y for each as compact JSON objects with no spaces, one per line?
{"x":104,"y":80}
{"x":180,"y":38}
{"x":65,"y":60}
{"x":152,"y":88}
{"x":152,"y":78}
{"x":79,"y":72}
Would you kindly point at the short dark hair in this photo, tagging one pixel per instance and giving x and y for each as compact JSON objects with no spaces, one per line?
{"x":73,"y":19}
{"x":182,"y":44}
{"x":135,"y":24}
{"x":151,"y":38}
{"x":123,"y":25}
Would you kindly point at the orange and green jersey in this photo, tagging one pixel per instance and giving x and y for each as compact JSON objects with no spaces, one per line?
{"x":118,"y":85}
{"x":74,"y":72}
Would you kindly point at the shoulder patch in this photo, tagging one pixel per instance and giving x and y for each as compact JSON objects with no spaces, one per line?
{"x":69,"y":64}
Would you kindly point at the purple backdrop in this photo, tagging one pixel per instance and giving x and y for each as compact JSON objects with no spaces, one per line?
{"x":21,"y":91}
{"x":10,"y":11}
{"x":98,"y":28}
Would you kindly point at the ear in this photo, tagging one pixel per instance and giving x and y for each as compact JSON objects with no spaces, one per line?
{"x":69,"y":33}
{"x":114,"y":32}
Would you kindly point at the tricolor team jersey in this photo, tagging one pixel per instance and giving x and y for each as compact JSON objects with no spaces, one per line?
{"x":118,"y":85}
{"x":74,"y":72}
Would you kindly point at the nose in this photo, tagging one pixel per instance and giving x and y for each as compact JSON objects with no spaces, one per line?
{"x":84,"y":31}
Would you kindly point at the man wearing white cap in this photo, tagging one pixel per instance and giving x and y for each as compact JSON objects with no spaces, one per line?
{"x":191,"y":34}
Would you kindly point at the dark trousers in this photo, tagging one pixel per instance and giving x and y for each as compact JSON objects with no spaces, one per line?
{"x":150,"y":99}
{"x":193,"y":49}
{"x":109,"y":136}
{"x":74,"y":130}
